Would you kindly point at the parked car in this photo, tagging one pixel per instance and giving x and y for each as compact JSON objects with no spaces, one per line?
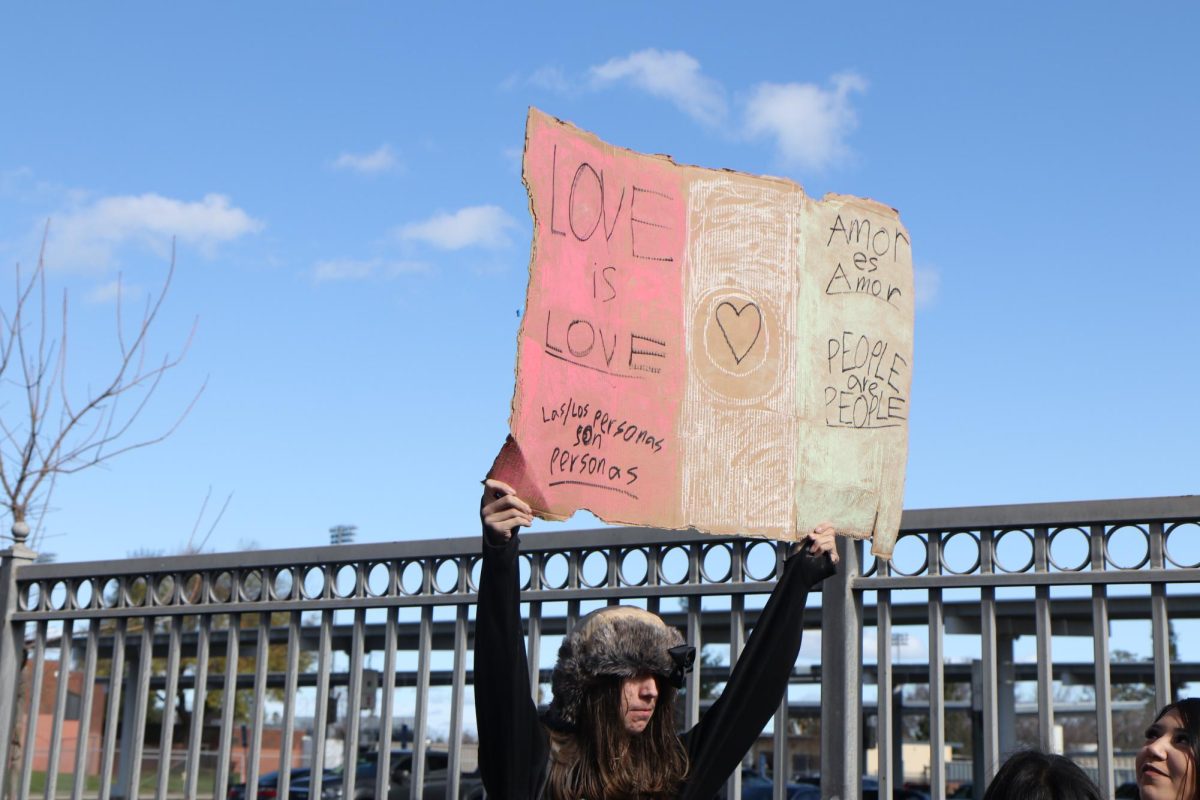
{"x":871,"y":792}
{"x":757,"y":786}
{"x":268,"y":785}
{"x":470,"y":787}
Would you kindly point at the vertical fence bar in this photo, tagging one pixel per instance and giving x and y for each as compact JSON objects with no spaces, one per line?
{"x":12,"y":649}
{"x":261,"y":644}
{"x":116,"y":675}
{"x":937,"y":676}
{"x":35,"y":703}
{"x":779,"y":752}
{"x":841,"y":677}
{"x":1160,"y":625}
{"x":990,"y":663}
{"x":421,"y":711}
{"x":291,"y":678}
{"x":141,"y":699}
{"x":321,"y":721}
{"x":228,"y":703}
{"x":167,"y":735}
{"x":737,"y":633}
{"x":354,"y":701}
{"x":692,"y":710}
{"x":191,"y":772}
{"x":1045,"y":666}
{"x":883,"y":686}
{"x":386,"y":709}
{"x":85,"y":709}
{"x":1102,"y":677}
{"x":535,"y":627}
{"x":60,"y":704}
{"x":457,"y":701}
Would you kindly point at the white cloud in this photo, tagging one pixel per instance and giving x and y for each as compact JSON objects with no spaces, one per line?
{"x":672,"y":75}
{"x":349,"y":269}
{"x":808,"y":123}
{"x":91,"y":235}
{"x":926,"y":283}
{"x":551,"y":79}
{"x":110,"y":291}
{"x":373,"y":163}
{"x":474,"y":226}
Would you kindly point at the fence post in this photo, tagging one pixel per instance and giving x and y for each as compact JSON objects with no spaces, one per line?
{"x":841,"y":678}
{"x":12,"y":645}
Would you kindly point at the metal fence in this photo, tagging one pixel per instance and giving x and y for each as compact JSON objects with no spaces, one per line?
{"x":103,"y":663}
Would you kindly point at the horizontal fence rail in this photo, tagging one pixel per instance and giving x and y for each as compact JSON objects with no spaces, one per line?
{"x":259,"y":672}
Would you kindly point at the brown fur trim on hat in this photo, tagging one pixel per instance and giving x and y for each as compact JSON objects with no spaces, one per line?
{"x":614,"y":642}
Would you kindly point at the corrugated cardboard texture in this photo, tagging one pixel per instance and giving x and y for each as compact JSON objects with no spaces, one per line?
{"x":703,"y":348}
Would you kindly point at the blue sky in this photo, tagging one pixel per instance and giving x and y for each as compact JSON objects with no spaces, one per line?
{"x":354,"y":236}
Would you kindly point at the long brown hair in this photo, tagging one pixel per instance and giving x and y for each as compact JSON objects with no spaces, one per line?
{"x":601,"y":761}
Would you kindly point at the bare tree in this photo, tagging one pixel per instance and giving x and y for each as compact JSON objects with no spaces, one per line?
{"x":49,"y":427}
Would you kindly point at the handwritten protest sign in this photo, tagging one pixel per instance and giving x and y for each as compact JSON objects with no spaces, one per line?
{"x":707,"y":348}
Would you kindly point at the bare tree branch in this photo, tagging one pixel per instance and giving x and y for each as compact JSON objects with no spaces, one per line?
{"x":61,"y":431}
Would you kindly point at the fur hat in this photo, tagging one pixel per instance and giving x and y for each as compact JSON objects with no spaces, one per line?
{"x":614,"y":642}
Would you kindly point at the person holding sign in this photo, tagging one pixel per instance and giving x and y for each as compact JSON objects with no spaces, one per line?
{"x":610,"y":730}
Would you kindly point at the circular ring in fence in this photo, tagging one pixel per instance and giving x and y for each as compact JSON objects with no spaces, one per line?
{"x":473,"y":574}
{"x":1058,"y":551}
{"x":593,"y":570}
{"x":1127,"y":542}
{"x":911,"y":555}
{"x":633,"y":567}
{"x":870,"y":564}
{"x":283,"y":582}
{"x":346,"y":580}
{"x":1013,"y":541}
{"x":673,"y":566}
{"x":110,"y":595}
{"x":193,"y":589}
{"x":556,"y":571}
{"x":412,"y":577}
{"x":1182,"y":549}
{"x":84,"y":593}
{"x":760,"y":561}
{"x":315,"y":581}
{"x":31,"y":596}
{"x":445,"y":576}
{"x":222,"y":587}
{"x":57,"y":598}
{"x":525,"y":571}
{"x":379,"y":579}
{"x":251,"y":585}
{"x":716,"y":562}
{"x":135,"y":592}
{"x":164,"y":590}
{"x":961,"y":553}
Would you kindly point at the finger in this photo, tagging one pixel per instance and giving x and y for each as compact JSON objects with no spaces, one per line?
{"x":498,"y":486}
{"x":506,"y":516}
{"x":505,"y":502}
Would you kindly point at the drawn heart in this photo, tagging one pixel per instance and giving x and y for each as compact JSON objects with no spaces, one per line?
{"x":741,"y":330}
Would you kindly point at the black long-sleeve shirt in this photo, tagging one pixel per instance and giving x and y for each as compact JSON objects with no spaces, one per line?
{"x":513,"y":744}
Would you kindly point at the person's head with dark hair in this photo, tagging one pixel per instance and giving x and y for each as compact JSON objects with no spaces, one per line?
{"x":613,"y":731}
{"x":1034,"y":775}
{"x":1166,"y":764}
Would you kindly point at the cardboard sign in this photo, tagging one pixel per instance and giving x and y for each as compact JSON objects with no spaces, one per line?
{"x":703,"y":348}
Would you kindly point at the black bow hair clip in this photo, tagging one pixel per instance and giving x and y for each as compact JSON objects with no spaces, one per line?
{"x":684,"y":657}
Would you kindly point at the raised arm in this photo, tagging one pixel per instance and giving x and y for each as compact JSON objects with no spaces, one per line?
{"x":512,"y":743}
{"x":759,"y":680}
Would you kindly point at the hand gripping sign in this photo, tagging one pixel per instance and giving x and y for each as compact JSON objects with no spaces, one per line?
{"x":704,"y":348}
